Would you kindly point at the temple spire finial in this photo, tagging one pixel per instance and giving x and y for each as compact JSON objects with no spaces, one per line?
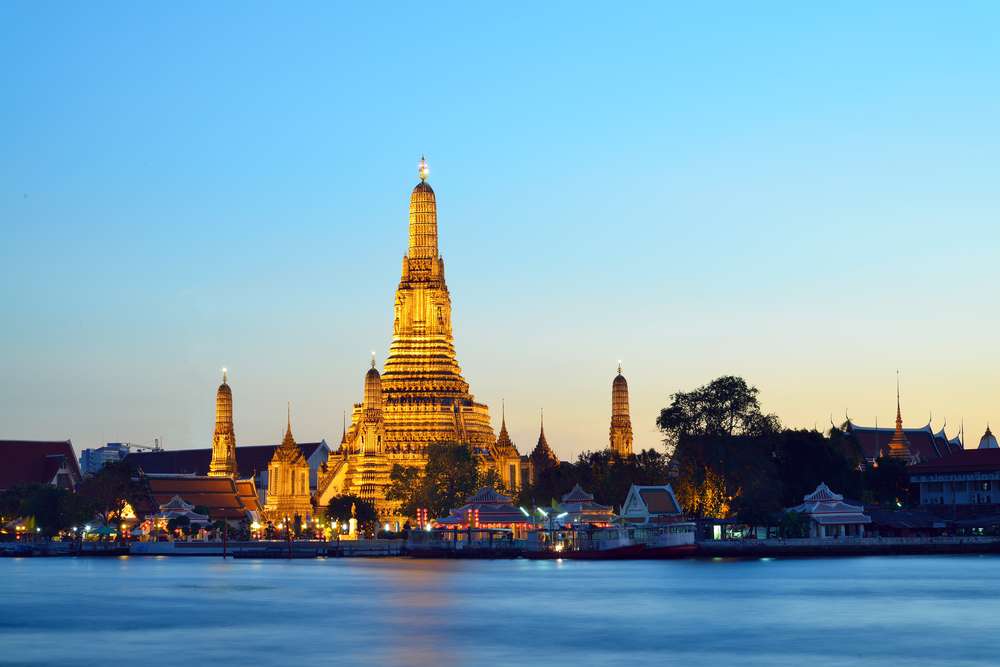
{"x":423,"y":170}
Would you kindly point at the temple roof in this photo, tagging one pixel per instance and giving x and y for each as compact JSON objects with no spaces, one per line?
{"x":250,"y":459}
{"x":577,"y":495}
{"x":542,"y":455}
{"x":967,"y":460}
{"x":288,"y":451}
{"x":988,"y":441}
{"x":223,"y":496}
{"x":924,"y":442}
{"x":34,"y":461}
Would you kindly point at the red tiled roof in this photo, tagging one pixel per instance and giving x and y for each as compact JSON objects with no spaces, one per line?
{"x":658,"y":501}
{"x":219,"y":494}
{"x":967,"y":460}
{"x":34,"y":461}
{"x":250,"y":459}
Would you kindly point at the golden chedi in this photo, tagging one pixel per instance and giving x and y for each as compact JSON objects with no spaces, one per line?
{"x":224,"y":439}
{"x":288,"y":492}
{"x":425,"y":399}
{"x":620,"y":433}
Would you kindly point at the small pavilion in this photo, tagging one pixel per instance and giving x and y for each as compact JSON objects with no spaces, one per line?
{"x":486,"y":509}
{"x":830,"y":516}
{"x":581,"y":510}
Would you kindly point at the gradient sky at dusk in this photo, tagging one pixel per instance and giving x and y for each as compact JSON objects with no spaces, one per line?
{"x":805,"y":195}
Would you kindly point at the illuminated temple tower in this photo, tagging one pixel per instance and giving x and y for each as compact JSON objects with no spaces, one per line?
{"x":620,"y":433}
{"x":899,"y":444}
{"x":224,"y":440}
{"x":288,"y":491}
{"x":425,"y":399}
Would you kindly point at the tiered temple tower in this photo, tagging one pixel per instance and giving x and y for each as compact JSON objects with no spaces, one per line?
{"x":620,"y":433}
{"x":288,"y":492}
{"x":507,"y":456}
{"x":899,"y":444}
{"x":224,"y":440}
{"x":542,"y":457}
{"x":425,"y":399}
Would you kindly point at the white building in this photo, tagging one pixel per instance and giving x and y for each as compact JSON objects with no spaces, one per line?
{"x":830,"y":516}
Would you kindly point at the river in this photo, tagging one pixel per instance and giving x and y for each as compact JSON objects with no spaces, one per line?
{"x":942,"y":610}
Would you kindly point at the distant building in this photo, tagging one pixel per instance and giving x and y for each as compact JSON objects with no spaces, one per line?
{"x":968,"y":477}
{"x":252,"y":463}
{"x":38,"y":462}
{"x":620,"y":433}
{"x":288,"y":493}
{"x":542,"y":457}
{"x":223,"y":497}
{"x":581,"y":510}
{"x":912,"y":445}
{"x":92,"y":460}
{"x":650,"y":505}
{"x":486,"y":509}
{"x":830,"y":516}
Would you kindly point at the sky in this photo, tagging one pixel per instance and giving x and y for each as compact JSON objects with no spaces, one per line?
{"x":803,"y":194}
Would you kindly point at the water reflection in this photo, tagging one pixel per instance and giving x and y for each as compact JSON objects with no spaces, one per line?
{"x":864,"y":611}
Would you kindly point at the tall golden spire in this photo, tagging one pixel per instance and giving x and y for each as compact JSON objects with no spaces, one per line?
{"x":620,"y":433}
{"x":899,"y":444}
{"x":423,"y":218}
{"x":224,"y":438}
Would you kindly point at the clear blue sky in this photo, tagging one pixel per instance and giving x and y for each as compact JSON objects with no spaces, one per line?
{"x":802,"y":194}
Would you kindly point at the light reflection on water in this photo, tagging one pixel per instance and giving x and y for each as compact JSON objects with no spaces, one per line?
{"x":859,"y":611}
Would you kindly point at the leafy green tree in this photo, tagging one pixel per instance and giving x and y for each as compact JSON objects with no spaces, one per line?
{"x":109,"y":491}
{"x":727,"y":406}
{"x":339,"y":510}
{"x":451,"y":475}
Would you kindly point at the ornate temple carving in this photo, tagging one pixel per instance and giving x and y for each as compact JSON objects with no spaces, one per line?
{"x":620,"y":433}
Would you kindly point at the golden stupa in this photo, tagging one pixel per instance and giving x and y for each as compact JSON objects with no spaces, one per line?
{"x":423,"y":396}
{"x":620,"y":433}
{"x":224,"y":439}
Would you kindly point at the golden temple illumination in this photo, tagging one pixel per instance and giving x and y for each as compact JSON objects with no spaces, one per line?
{"x":224,"y":439}
{"x":422,"y":397}
{"x":620,"y":434}
{"x":899,"y":444}
{"x":288,"y":491}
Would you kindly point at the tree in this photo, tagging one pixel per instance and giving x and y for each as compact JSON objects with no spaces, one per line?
{"x":727,"y":406}
{"x":887,"y":482}
{"x":451,"y":475}
{"x":339,"y":511}
{"x":109,"y":491}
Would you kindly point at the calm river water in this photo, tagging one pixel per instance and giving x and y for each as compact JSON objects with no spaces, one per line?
{"x":198,"y":611}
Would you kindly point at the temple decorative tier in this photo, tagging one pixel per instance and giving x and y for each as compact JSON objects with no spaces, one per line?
{"x":224,"y":439}
{"x":620,"y":433}
{"x":424,"y":398}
